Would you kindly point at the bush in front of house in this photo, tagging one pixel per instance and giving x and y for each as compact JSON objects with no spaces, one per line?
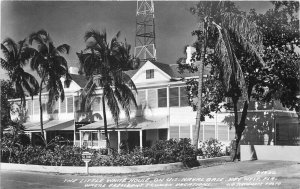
{"x":12,"y":151}
{"x":212,"y":148}
{"x":168,"y":151}
{"x":173,"y":150}
{"x":58,"y":154}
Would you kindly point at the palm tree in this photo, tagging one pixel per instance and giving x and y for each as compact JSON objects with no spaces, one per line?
{"x":16,"y":56}
{"x":51,"y":66}
{"x":103,"y":65}
{"x":222,"y":19}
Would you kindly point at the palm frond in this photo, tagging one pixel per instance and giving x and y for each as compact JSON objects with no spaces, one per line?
{"x":64,"y":48}
{"x":33,"y":84}
{"x":86,"y":94}
{"x":5,"y":52}
{"x":28,"y":53}
{"x":127,"y":79}
{"x":12,"y":46}
{"x":34,"y":37}
{"x":112,"y":102}
{"x":5,"y":65}
{"x":230,"y":65}
{"x":246,"y":32}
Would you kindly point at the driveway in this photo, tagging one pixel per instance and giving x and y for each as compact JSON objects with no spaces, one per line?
{"x":248,"y":174}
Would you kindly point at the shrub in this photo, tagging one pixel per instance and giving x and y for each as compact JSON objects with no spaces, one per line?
{"x":58,"y":154}
{"x":172,"y":150}
{"x":212,"y":148}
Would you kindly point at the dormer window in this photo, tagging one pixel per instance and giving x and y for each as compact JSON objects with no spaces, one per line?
{"x":150,"y":74}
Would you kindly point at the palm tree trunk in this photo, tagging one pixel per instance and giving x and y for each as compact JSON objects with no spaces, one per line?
{"x":196,"y":130}
{"x":41,"y":113}
{"x":105,"y":124}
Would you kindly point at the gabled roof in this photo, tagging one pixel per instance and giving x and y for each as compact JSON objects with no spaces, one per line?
{"x":171,"y":70}
{"x":79,"y":79}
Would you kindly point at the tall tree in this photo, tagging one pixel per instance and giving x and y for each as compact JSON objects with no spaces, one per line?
{"x":16,"y":55}
{"x":278,"y":78}
{"x":223,"y":27}
{"x":103,"y":64}
{"x":51,"y":66}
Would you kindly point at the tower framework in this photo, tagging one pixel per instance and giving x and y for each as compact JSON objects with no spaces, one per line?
{"x":145,"y":31}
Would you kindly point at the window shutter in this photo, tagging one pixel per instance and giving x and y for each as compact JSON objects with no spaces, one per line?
{"x":29,"y":107}
{"x":63,"y":106}
{"x":185,"y":132}
{"x":152,"y":98}
{"x":209,"y":131}
{"x":174,"y":132}
{"x":223,"y":132}
{"x":173,"y":96}
{"x":70,"y":108}
{"x":141,"y":99}
{"x":183,"y":97}
{"x":36,"y":105}
{"x":162,"y":97}
{"x":96,"y":104}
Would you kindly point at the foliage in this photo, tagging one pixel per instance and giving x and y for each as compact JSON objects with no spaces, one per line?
{"x":212,"y":148}
{"x":270,"y":72}
{"x":7,"y":92}
{"x":51,"y":66}
{"x":13,"y":140}
{"x":103,"y":64}
{"x":13,"y":151}
{"x":136,"y":157}
{"x":280,"y":77}
{"x":55,"y":153}
{"x":15,"y":58}
{"x":169,"y":151}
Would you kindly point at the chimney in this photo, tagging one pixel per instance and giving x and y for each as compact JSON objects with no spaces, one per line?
{"x":73,"y":70}
{"x":189,"y":53}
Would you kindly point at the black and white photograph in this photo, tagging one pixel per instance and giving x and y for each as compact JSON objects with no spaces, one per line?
{"x":150,"y":94}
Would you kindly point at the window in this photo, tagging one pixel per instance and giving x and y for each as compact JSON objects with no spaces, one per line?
{"x":183,"y":97}
{"x":94,"y":136}
{"x":173,"y":96}
{"x":150,"y":74}
{"x":102,"y":136}
{"x":162,"y":97}
{"x":77,"y":136}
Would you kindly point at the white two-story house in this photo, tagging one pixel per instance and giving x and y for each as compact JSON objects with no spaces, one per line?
{"x":162,"y":113}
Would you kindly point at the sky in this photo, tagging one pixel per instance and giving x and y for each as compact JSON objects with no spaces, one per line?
{"x":67,"y":22}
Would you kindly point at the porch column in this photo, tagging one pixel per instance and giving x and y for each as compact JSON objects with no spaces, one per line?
{"x":119,"y":141}
{"x":45,"y":135}
{"x":80,"y":139}
{"x":98,"y":133}
{"x":30,"y":136}
{"x":169,"y":112}
{"x":141,"y":139}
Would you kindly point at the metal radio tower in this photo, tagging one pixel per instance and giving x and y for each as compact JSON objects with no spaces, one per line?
{"x":145,"y":31}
